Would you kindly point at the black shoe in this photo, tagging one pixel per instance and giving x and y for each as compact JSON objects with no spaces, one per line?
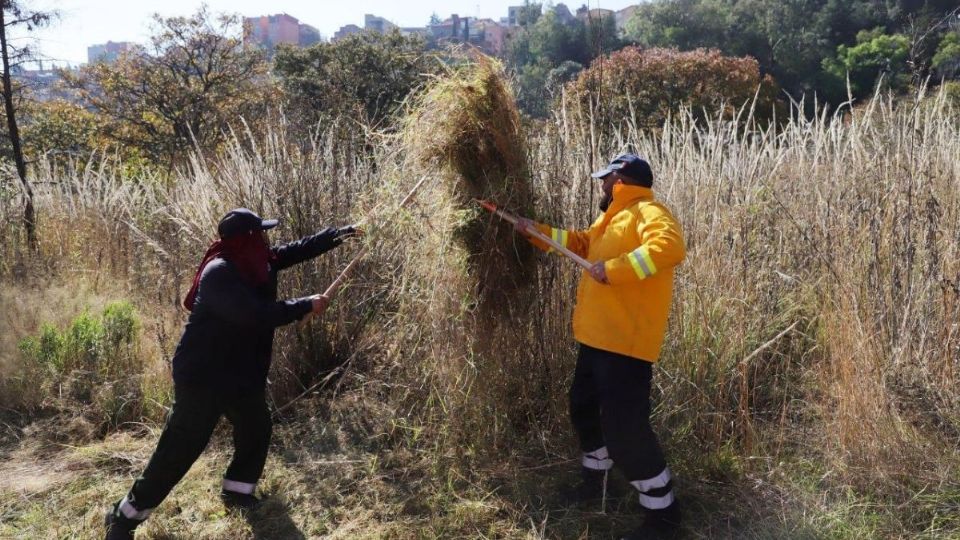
{"x":659,"y":525}
{"x":119,"y":527}
{"x":590,"y":489}
{"x":240,"y":501}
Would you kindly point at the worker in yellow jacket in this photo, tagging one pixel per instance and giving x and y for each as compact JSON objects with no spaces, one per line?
{"x":619,"y":322}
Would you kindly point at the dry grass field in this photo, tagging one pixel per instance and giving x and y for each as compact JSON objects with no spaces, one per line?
{"x":808,"y":387}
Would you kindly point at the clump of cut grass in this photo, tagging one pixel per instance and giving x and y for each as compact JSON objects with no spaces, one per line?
{"x":484,"y":281}
{"x":468,"y":121}
{"x":467,"y":124}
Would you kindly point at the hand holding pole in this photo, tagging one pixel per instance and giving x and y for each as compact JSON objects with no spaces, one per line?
{"x":532,"y":231}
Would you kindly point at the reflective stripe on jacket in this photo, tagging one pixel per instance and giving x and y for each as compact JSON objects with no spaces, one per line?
{"x":641,"y":243}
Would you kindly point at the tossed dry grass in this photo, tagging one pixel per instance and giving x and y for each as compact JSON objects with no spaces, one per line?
{"x":466,"y":127}
{"x":813,"y":347}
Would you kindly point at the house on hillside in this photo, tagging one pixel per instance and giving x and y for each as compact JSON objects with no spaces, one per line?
{"x":485,"y":34}
{"x":373,"y":23}
{"x":586,"y":14}
{"x":108,"y":52}
{"x":380,"y":25}
{"x":346,"y":30}
{"x":523,"y":15}
{"x":268,"y":31}
{"x":492,"y":35}
{"x":623,"y":16}
{"x":563,"y":14}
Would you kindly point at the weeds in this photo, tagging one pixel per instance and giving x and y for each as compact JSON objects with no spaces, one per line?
{"x":93,"y":363}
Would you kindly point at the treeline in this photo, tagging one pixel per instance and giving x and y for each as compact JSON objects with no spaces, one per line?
{"x":195,"y":82}
{"x":808,"y":46}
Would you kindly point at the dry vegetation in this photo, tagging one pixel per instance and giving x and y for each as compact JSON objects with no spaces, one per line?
{"x":807,"y":389}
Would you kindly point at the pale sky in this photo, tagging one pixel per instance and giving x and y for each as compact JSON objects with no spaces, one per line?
{"x":87,"y":22}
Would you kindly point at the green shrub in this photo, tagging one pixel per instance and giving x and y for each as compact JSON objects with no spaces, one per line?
{"x":952,"y":90}
{"x":876,"y":58}
{"x":61,"y":127}
{"x":93,"y":361}
{"x":92,"y":343}
{"x":947,"y":59}
{"x":44,"y":351}
{"x":82,"y":343}
{"x":121,"y":332}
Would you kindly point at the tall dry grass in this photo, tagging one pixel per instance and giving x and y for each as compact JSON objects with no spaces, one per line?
{"x":815,"y":316}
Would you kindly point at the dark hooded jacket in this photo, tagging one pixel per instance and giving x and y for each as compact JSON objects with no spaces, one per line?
{"x":228,"y":339}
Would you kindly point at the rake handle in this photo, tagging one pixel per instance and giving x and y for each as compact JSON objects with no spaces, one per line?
{"x":532,"y":231}
{"x":334,"y":287}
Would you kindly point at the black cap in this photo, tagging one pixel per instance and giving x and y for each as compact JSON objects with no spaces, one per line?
{"x":241,"y":220}
{"x":631,"y":166}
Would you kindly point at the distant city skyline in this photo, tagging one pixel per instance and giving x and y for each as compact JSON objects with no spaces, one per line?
{"x":83,"y":23}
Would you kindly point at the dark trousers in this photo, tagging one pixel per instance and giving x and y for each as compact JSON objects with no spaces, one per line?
{"x":610,"y":407}
{"x":195,"y":413}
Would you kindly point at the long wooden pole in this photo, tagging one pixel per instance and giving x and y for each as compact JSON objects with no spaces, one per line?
{"x":532,"y":231}
{"x":338,"y":282}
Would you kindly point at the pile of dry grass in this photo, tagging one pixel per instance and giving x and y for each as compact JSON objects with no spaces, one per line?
{"x":468,"y":121}
{"x":465,"y":293}
{"x":467,"y":125}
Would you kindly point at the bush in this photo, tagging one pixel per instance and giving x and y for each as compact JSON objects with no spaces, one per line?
{"x":952,"y":90}
{"x":648,"y":84}
{"x":104,"y":344}
{"x":364,"y":76}
{"x":93,"y":362}
{"x":947,"y":59}
{"x":45,"y":350}
{"x":61,"y":127}
{"x":875,"y":55}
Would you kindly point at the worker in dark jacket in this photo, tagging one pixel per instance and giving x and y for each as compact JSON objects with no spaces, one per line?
{"x":221,"y":363}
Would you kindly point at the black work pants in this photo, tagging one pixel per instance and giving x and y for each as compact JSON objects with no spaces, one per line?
{"x":195,"y":413}
{"x":610,"y":411}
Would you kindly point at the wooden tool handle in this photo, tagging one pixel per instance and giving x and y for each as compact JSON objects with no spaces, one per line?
{"x":532,"y":231}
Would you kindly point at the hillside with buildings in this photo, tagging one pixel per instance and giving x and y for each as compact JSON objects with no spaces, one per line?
{"x":267,"y":32}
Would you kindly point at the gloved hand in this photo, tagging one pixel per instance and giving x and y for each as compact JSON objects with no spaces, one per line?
{"x":320,"y":304}
{"x":599,"y":272}
{"x":349,"y":231}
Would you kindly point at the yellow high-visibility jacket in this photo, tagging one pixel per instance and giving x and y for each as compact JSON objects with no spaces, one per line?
{"x":641,"y":243}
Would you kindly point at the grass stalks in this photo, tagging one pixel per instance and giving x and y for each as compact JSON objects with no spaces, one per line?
{"x":813,"y":342}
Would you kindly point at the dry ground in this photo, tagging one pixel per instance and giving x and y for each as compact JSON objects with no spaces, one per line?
{"x":327,"y":480}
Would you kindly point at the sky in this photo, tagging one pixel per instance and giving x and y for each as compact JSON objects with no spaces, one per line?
{"x":82,"y":23}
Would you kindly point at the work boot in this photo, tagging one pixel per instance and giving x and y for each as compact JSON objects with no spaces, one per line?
{"x":590,"y":488}
{"x":119,"y":527}
{"x":240,"y":501}
{"x":659,"y":525}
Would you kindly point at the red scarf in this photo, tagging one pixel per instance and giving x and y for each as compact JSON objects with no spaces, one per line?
{"x":248,"y":252}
